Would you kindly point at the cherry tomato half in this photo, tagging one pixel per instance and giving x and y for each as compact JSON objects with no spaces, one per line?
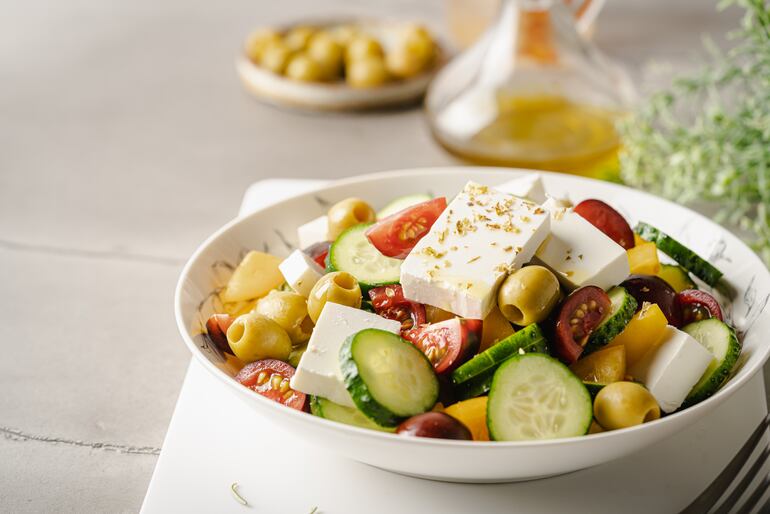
{"x":270,"y":378}
{"x":608,"y":220}
{"x":318,"y":252}
{"x":580,"y":314}
{"x":652,"y":289}
{"x":696,"y":305}
{"x":216,"y":328}
{"x":396,"y":235}
{"x":389,"y":302}
{"x":447,"y":344}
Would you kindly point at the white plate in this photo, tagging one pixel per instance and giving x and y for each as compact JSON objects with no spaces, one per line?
{"x":274,"y":228}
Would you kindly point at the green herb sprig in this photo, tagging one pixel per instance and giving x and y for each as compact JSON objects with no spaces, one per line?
{"x":707,"y":137}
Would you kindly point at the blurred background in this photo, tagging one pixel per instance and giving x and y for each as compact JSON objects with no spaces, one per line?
{"x":127,"y":137}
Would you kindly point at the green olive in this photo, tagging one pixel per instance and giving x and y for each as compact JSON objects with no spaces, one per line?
{"x":258,"y":41}
{"x":348,"y":213}
{"x":289,"y":310}
{"x":344,"y":34}
{"x":327,"y":52}
{"x":298,"y":38}
{"x":305,"y":68}
{"x":361,"y":47}
{"x":366,"y":72}
{"x":337,"y":287}
{"x":413,"y":52}
{"x":296,"y":355}
{"x":275,"y":57}
{"x":253,"y":337}
{"x":528,"y":295}
{"x":624,"y":404}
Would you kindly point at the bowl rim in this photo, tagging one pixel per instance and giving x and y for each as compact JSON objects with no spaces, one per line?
{"x":694,"y":412}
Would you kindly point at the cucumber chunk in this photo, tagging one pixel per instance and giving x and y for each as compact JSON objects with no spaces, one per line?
{"x":388,"y":378}
{"x":401,"y":203}
{"x":688,"y":259}
{"x":352,"y":252}
{"x":477,"y":386}
{"x":593,"y":388}
{"x":534,"y":396}
{"x":324,"y":408}
{"x":721,"y":341}
{"x":623,"y":306}
{"x":677,"y":277}
{"x":528,"y":339}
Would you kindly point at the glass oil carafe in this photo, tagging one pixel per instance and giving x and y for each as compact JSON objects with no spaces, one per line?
{"x":532,"y":93}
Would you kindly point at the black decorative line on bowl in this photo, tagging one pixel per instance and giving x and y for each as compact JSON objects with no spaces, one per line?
{"x":753,"y":308}
{"x":320,"y":201}
{"x":283,"y":239}
{"x":718,"y":253}
{"x":265,"y":248}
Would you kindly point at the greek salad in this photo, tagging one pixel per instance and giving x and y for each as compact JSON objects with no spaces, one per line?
{"x":502,"y":314}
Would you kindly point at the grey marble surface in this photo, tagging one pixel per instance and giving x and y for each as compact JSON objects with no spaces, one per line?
{"x":125,"y":139}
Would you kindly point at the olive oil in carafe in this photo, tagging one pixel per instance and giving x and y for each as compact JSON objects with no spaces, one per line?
{"x":547,"y":132}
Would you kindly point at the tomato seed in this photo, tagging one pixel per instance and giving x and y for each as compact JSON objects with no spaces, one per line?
{"x":261,"y":378}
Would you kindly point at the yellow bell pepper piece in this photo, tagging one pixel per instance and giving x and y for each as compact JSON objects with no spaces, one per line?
{"x":643,"y":259}
{"x":603,"y":367}
{"x":644,"y":332}
{"x":473,"y":414}
{"x":495,"y":328}
{"x":254,"y":277}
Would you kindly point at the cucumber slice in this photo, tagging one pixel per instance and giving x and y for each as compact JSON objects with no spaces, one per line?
{"x":528,"y":339}
{"x":688,"y":259}
{"x":721,"y":341}
{"x":324,"y":408}
{"x":401,"y":203}
{"x":677,"y":277}
{"x":534,"y":396}
{"x":593,"y":388}
{"x":477,"y":386}
{"x":352,"y":252}
{"x":388,"y":378}
{"x":623,"y":307}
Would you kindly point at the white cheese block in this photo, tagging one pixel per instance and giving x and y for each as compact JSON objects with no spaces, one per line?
{"x":318,"y":372}
{"x":313,"y":232}
{"x":580,"y":254}
{"x":481,"y":236}
{"x":301,"y":272}
{"x":530,"y":186}
{"x":671,"y":369}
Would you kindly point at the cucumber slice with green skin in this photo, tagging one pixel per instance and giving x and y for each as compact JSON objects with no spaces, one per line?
{"x":677,"y":277}
{"x":477,"y":386}
{"x":534,"y":396}
{"x":720,"y":339}
{"x":688,"y":259}
{"x":352,"y":252}
{"x":327,"y":409}
{"x":528,"y":339}
{"x":593,"y":388}
{"x":388,"y":378}
{"x":401,"y":203}
{"x":623,"y":307}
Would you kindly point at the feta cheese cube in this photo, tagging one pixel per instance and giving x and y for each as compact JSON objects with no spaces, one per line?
{"x":313,"y":232}
{"x":318,"y":372}
{"x":671,"y":369}
{"x":301,"y":272}
{"x":530,"y":186}
{"x":580,"y":254}
{"x":481,"y":236}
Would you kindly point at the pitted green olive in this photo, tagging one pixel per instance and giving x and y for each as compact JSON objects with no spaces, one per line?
{"x":275,"y":57}
{"x":624,"y":404}
{"x":253,"y":337}
{"x":366,"y":72}
{"x":298,"y":38}
{"x":327,"y":52}
{"x":528,"y":295}
{"x":305,"y":68}
{"x":361,"y":47}
{"x":289,"y":310}
{"x":348,"y":213}
{"x":338,"y":287}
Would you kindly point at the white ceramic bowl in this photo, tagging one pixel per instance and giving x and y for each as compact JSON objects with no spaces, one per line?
{"x":274,"y":228}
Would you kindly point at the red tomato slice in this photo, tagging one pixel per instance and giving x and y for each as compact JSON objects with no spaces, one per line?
{"x":581,"y":313}
{"x":608,"y":220}
{"x":270,"y":378}
{"x":447,"y":344}
{"x":696,"y":305}
{"x":396,"y":235}
{"x":318,"y":252}
{"x":216,"y":328}
{"x":389,"y":302}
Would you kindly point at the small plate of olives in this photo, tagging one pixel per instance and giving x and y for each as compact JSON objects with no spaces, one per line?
{"x":343,"y":65}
